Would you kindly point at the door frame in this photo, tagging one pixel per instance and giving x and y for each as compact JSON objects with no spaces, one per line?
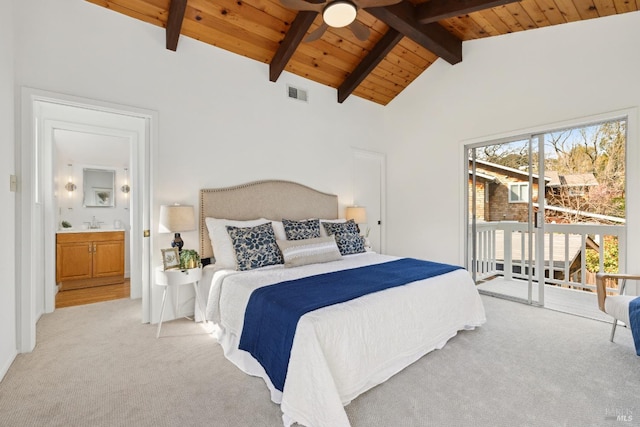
{"x":34,"y":223}
{"x":632,"y":116}
{"x":380,"y":158}
{"x":535,"y":221}
{"x":50,"y":226}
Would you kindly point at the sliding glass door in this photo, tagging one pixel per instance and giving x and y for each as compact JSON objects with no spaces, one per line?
{"x":546,"y":213}
{"x":506,"y":218}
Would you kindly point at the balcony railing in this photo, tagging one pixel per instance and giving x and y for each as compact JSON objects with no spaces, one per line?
{"x":502,"y":249}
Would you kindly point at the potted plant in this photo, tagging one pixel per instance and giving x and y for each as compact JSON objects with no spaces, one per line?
{"x":189,"y":258}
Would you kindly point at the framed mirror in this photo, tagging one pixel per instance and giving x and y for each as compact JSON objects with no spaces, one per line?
{"x":99,"y":186}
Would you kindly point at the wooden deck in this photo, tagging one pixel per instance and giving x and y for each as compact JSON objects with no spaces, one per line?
{"x":566,"y":300}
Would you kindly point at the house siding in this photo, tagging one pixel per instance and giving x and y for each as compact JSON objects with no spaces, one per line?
{"x":498,"y":207}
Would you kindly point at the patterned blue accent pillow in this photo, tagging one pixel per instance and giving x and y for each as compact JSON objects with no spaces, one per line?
{"x":301,"y":230}
{"x":255,"y":246}
{"x":347,"y":236}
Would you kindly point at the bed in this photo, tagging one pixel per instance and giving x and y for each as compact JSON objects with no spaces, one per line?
{"x":336,"y":352}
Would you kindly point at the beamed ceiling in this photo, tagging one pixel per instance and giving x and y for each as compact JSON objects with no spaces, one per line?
{"x":406,"y":38}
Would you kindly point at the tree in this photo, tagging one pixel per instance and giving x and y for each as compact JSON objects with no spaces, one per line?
{"x":598,"y":149}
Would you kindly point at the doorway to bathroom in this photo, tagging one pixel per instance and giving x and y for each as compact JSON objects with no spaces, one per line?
{"x":92,"y":194}
{"x":43,"y":114}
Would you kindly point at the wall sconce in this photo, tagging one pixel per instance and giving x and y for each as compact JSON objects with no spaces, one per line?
{"x":70,"y":186}
{"x":125,"y":187}
{"x":174,"y":219}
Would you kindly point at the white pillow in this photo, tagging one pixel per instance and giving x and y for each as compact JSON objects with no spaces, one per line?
{"x":323,"y":232}
{"x":223,"y":251}
{"x":278,"y":229}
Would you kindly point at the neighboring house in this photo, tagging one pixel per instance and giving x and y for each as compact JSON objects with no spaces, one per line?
{"x":482,"y":211}
{"x":502,"y":192}
{"x":570,"y":185}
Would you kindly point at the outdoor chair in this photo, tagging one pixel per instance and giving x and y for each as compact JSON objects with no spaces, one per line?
{"x":616,"y":306}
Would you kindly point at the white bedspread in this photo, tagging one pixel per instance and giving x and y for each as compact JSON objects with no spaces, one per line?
{"x":343,"y":350}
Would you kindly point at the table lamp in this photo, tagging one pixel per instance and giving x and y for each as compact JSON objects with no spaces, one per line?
{"x":358,"y":214}
{"x":176,"y":219}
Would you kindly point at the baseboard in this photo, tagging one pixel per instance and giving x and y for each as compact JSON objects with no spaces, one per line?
{"x":7,"y":365}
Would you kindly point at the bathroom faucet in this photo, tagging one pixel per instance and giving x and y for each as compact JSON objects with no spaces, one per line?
{"x":95,"y":224}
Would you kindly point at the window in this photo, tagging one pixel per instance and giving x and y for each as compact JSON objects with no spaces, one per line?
{"x":518,"y":192}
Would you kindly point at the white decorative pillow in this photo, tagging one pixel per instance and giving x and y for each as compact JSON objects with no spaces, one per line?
{"x":255,"y":247}
{"x":223,"y":251}
{"x":309,"y":251}
{"x":323,"y":231}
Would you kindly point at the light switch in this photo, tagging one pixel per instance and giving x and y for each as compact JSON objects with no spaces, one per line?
{"x":13,"y":183}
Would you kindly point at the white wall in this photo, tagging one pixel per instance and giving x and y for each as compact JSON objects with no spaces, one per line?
{"x":7,"y":198}
{"x":70,"y":207}
{"x":503,"y":85}
{"x":221,"y":122}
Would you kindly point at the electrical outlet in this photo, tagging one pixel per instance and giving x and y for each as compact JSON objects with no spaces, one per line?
{"x":13,"y":183}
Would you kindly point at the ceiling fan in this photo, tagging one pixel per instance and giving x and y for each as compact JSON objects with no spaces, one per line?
{"x":337,"y":14}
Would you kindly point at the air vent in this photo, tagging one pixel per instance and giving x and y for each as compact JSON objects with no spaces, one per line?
{"x":297,"y":93}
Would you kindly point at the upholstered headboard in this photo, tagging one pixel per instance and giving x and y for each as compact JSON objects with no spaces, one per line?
{"x":272,"y":199}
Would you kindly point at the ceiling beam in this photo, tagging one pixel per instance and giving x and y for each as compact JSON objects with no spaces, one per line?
{"x":437,"y":10}
{"x":433,"y":37}
{"x":174,"y":22}
{"x":289,"y":44}
{"x":367,"y":65}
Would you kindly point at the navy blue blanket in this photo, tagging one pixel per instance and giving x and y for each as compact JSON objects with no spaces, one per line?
{"x":634,"y":319}
{"x":272,"y":313}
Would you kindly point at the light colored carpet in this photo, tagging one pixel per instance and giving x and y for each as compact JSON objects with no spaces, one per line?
{"x":97,"y":365}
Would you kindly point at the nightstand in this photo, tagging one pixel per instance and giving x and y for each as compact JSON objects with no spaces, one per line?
{"x":175,"y":277}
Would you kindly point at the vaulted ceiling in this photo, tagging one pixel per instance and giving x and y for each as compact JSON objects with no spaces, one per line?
{"x":405,"y":38}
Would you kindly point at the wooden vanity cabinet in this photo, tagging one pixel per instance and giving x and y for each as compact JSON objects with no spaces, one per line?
{"x":89,"y":259}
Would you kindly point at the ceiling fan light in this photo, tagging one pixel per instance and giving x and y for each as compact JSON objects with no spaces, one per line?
{"x":339,"y":13}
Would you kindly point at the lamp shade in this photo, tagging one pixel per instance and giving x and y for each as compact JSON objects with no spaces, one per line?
{"x":176,"y":218}
{"x":339,"y":13}
{"x":357,"y":213}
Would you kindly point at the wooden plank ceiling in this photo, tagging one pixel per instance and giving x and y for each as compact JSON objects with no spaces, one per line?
{"x":406,"y":38}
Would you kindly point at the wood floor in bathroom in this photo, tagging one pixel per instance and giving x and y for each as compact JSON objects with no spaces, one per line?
{"x":90,"y":295}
